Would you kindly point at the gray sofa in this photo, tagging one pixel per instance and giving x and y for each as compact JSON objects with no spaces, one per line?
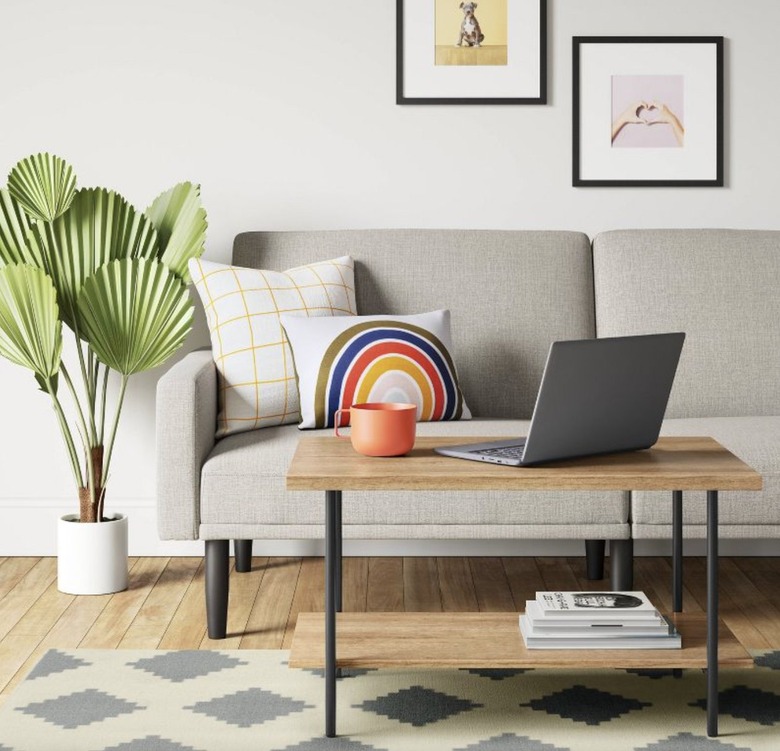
{"x":511,"y":293}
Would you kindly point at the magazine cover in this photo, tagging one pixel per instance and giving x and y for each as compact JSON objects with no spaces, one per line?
{"x":621,"y":603}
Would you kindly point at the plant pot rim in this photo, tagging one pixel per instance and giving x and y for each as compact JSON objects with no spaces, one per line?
{"x":115,"y":517}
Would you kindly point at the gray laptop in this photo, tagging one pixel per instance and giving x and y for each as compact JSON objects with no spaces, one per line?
{"x":597,"y":396}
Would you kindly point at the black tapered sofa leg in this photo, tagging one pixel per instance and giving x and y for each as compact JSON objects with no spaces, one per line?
{"x":217,"y":586}
{"x":594,"y":558}
{"x":621,"y":564}
{"x":243,"y":551}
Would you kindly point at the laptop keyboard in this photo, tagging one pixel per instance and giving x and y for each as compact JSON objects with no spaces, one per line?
{"x":504,"y":452}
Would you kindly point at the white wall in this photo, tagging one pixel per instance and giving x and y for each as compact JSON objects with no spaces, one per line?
{"x":285,"y":113}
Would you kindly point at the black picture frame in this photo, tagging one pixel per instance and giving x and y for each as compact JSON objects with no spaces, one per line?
{"x":595,"y":161}
{"x":536,"y":97}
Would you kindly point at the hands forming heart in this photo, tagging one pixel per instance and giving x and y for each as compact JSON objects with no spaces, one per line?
{"x":648,"y":113}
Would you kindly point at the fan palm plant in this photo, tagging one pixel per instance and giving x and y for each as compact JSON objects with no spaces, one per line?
{"x":116,"y":277}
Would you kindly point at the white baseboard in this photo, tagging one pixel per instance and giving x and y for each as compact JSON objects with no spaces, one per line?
{"x":28,"y":528}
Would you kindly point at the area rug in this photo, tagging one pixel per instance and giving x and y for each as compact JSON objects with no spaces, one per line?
{"x":231,"y":701}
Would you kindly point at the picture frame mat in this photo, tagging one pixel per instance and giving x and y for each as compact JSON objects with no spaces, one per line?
{"x":520,"y":78}
{"x":698,"y":60}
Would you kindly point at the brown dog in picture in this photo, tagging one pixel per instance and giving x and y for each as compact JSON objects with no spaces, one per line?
{"x":470,"y":32}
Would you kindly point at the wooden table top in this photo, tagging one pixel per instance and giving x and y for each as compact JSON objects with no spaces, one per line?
{"x":674,"y":463}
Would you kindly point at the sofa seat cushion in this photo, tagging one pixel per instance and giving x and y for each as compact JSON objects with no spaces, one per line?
{"x":749,"y":513}
{"x":243,"y":483}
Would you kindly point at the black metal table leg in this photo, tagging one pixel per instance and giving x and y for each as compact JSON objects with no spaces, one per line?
{"x":339,"y":554}
{"x":677,"y":550}
{"x":712,"y":613}
{"x":332,"y":566}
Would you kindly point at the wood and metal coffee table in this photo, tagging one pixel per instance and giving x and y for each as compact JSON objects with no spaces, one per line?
{"x":457,"y":640}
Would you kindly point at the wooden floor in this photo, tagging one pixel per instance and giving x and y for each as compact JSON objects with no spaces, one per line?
{"x":164,"y":605}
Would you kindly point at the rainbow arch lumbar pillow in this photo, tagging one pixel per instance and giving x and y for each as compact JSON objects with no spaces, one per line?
{"x":354,"y":359}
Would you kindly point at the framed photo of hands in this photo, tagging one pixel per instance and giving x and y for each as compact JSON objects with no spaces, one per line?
{"x":648,"y":111}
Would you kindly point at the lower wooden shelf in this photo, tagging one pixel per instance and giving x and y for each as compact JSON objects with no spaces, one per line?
{"x":486,"y":640}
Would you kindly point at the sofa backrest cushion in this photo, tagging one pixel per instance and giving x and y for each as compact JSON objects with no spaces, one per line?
{"x":511,"y":293}
{"x":722,"y":288}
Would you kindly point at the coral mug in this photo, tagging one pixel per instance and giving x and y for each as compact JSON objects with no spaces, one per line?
{"x":380,"y":429}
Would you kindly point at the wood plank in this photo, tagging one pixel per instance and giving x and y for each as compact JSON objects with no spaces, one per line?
{"x":25,"y":592}
{"x":271,"y":609}
{"x":111,"y":625}
{"x":385,"y":585}
{"x":309,"y":595}
{"x":459,"y":640}
{"x":656,"y":574}
{"x":28,"y":632}
{"x":765,"y":574}
{"x":491,"y":585}
{"x":750,"y":601}
{"x":149,"y":625}
{"x":456,"y":585}
{"x":187,"y":627}
{"x":556,"y":574}
{"x":67,"y":632}
{"x":13,"y":571}
{"x":728,"y":609}
{"x":421,"y":585}
{"x":674,"y":463}
{"x":354,"y":584}
{"x":524,"y":579}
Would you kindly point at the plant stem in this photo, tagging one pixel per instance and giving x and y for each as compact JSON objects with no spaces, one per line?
{"x":110,"y":445}
{"x":102,"y":431}
{"x":67,"y":437}
{"x":85,"y":436}
{"x":86,"y":377}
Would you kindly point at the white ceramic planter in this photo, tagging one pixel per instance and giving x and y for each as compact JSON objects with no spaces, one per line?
{"x":91,"y":558}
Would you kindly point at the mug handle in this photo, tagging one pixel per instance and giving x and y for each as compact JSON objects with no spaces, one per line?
{"x":336,"y":423}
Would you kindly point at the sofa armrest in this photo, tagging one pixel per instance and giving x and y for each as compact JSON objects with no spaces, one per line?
{"x":186,"y":424}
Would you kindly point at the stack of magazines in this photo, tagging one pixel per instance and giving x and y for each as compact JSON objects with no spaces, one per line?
{"x":596,"y":620}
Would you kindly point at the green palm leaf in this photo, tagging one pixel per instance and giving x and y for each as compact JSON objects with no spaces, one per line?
{"x":14,"y":226}
{"x":136,"y":313}
{"x":30,"y":330}
{"x":44,"y":185}
{"x":100,"y":226}
{"x":181,"y":225}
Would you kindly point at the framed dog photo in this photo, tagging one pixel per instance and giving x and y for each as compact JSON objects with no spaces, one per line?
{"x":648,"y":111}
{"x":484,"y":52}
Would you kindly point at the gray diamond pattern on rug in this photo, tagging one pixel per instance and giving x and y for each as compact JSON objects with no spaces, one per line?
{"x":511,"y":742}
{"x":746,"y":703}
{"x":690,"y":742}
{"x":150,"y":743}
{"x":253,"y":706}
{"x":654,"y":674}
{"x":186,"y":664}
{"x":769,"y":660}
{"x":55,"y":661}
{"x":496,"y":674}
{"x":119,"y":701}
{"x":417,"y":706}
{"x":341,"y":672}
{"x":80,"y":708}
{"x":588,"y":705}
{"x":340,"y":743}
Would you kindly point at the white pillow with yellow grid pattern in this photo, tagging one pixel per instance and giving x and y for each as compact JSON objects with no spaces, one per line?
{"x":257,"y":387}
